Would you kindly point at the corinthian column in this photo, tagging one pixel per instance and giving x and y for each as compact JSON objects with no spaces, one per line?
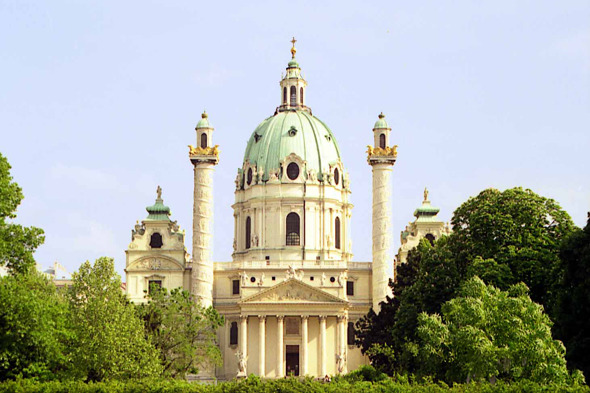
{"x":304,"y":339}
{"x":261,"y":345}
{"x":280,"y":372}
{"x":323,"y":354}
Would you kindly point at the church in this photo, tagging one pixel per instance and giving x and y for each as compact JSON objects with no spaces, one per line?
{"x":292,"y":293}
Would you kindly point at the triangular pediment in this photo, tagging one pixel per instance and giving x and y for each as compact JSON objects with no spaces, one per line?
{"x":292,"y":291}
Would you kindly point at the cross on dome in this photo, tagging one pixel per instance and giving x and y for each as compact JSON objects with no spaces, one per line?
{"x":293,"y":50}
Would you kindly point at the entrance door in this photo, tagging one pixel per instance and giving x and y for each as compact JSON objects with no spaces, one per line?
{"x":293,"y":360}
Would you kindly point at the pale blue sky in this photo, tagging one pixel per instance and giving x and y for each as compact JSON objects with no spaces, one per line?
{"x":98,"y":102}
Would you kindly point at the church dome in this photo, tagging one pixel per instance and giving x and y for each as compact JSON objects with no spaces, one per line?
{"x":292,"y":131}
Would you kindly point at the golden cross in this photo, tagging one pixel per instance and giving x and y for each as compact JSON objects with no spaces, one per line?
{"x":293,"y":50}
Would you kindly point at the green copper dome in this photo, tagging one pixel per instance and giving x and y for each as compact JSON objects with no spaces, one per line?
{"x":158,"y":211}
{"x":381,"y":123}
{"x":204,"y":122}
{"x":289,"y":132}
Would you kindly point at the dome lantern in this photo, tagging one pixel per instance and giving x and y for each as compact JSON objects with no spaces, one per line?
{"x":293,"y":85}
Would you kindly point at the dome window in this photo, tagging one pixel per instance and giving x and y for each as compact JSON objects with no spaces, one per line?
{"x":293,"y":229}
{"x":248,"y":232}
{"x":293,"y":171}
{"x":301,"y":96}
{"x":285,"y":96}
{"x":328,"y":138}
{"x":382,"y":141}
{"x":336,"y":176}
{"x":203,"y":140}
{"x":337,"y":232}
{"x":293,"y":96}
{"x":257,"y":137}
{"x":156,"y":240}
{"x":252,"y":279}
{"x":249,"y":176}
{"x":292,"y":131}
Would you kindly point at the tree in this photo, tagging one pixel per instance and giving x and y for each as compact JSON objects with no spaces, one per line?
{"x":516,"y":228}
{"x":111,"y":341}
{"x":35,"y":335}
{"x":488,"y":334}
{"x":572,"y":318}
{"x":505,"y":237}
{"x":182,"y":330}
{"x":17,"y":243}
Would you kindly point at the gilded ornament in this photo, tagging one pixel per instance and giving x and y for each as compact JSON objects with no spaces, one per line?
{"x":382,"y":152}
{"x":203,"y":151}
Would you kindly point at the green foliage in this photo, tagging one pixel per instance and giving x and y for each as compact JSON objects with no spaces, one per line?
{"x":34,"y":329}
{"x":516,"y":228}
{"x":486,"y":334}
{"x":182,"y":330}
{"x":111,"y":340}
{"x":573,"y":311}
{"x":288,"y":385}
{"x":365,"y":373}
{"x":503,"y":237}
{"x":17,"y":243}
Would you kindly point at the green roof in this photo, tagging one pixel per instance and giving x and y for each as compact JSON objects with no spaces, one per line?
{"x":158,"y":211}
{"x":293,"y":63}
{"x":293,"y":131}
{"x":204,"y":122}
{"x":426,"y":213}
{"x":381,"y":123}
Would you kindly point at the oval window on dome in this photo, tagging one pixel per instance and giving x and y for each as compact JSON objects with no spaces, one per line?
{"x":249,"y":176}
{"x":292,"y":171}
{"x":336,"y":176}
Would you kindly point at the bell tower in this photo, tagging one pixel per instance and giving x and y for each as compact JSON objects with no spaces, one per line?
{"x":204,"y":157}
{"x":381,"y":158}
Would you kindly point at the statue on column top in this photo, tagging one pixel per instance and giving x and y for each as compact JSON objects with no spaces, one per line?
{"x":425,"y":194}
{"x":159,"y":192}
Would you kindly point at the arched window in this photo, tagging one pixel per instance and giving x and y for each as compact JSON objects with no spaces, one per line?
{"x":284,"y":96}
{"x":293,"y":96}
{"x":156,"y":240}
{"x":233,"y":334}
{"x":293,"y":229}
{"x":430,"y":237}
{"x":336,"y":176}
{"x":203,"y":140}
{"x":382,"y":141}
{"x":301,"y":96}
{"x":337,"y":232}
{"x":248,"y":232}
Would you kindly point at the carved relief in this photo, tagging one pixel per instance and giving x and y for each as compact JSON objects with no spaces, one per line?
{"x":154,"y":264}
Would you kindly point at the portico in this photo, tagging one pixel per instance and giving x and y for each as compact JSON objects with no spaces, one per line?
{"x":291,"y":328}
{"x":294,"y":340}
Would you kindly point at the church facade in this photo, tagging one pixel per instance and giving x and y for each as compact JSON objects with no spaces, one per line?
{"x":292,"y":293}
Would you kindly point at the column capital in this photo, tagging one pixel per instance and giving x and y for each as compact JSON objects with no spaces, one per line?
{"x":243,"y":318}
{"x":262,"y":318}
{"x":342,"y":318}
{"x":323,"y":317}
{"x":305,"y":317}
{"x":280,"y":318}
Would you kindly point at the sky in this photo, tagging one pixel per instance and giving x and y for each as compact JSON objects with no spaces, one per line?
{"x":99,"y":100}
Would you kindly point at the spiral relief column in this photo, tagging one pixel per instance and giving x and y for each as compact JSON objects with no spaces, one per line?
{"x":381,"y":157}
{"x":204,"y":157}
